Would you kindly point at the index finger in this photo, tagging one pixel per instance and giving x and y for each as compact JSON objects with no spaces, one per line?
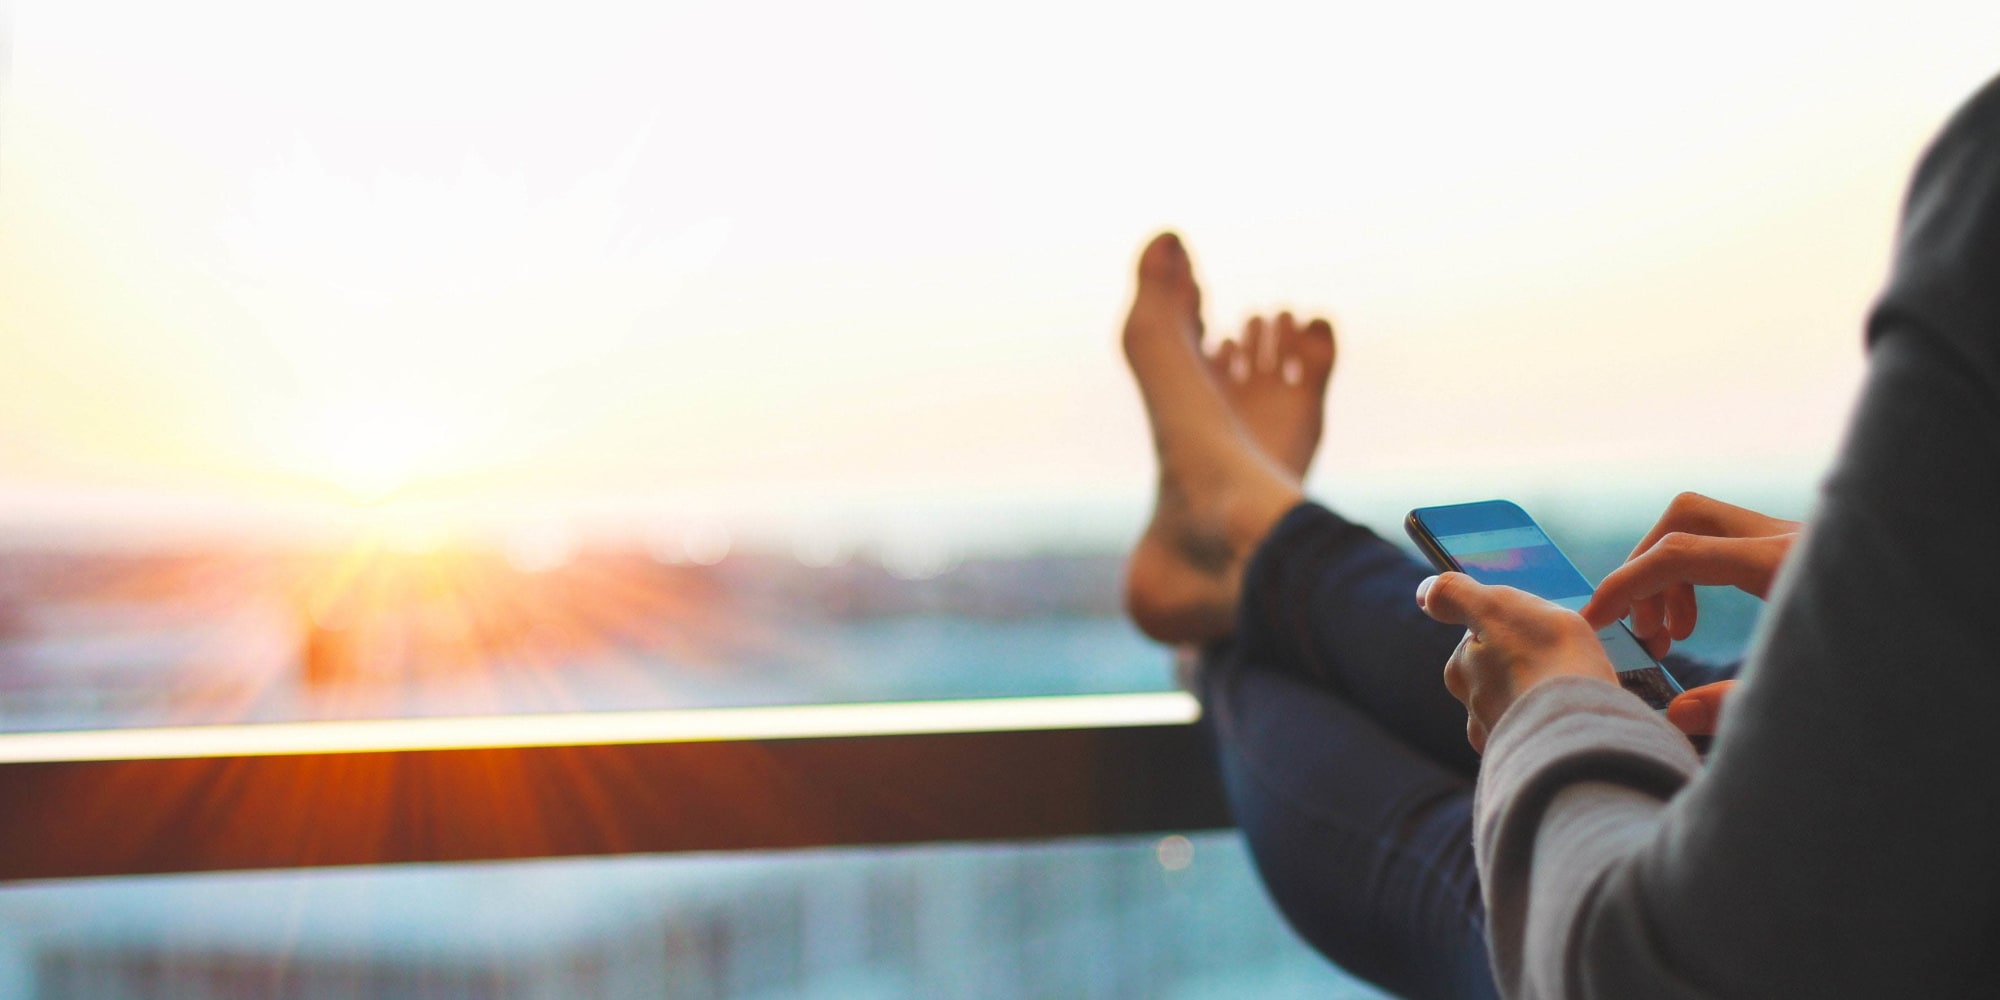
{"x":1677,"y":558}
{"x":1695,"y":514}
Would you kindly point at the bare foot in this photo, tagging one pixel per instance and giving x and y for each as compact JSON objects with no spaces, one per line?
{"x":1219,"y":492}
{"x":1274,"y":376}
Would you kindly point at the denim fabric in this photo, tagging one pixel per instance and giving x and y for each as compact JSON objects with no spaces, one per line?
{"x":1345,"y":760}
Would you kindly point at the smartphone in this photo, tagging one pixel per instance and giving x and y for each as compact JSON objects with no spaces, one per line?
{"x":1495,"y":541}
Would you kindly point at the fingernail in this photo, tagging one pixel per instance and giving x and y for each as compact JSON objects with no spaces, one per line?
{"x":1424,"y":588}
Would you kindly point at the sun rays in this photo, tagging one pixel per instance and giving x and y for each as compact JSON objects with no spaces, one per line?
{"x":366,"y":630}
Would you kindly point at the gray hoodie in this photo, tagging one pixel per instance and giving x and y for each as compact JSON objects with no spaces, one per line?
{"x":1844,"y":839}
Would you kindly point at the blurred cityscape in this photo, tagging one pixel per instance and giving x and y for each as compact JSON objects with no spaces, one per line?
{"x":94,"y":639}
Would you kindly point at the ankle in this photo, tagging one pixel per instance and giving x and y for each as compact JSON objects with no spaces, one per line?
{"x":1250,"y":508}
{"x":1171,"y":602}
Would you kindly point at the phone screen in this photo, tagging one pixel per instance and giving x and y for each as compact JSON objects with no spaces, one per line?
{"x":1496,"y":542}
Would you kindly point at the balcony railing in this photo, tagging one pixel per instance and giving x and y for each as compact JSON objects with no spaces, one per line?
{"x":129,"y":802}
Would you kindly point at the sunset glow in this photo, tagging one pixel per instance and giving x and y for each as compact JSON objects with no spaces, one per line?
{"x":605,"y":261}
{"x":371,"y":449}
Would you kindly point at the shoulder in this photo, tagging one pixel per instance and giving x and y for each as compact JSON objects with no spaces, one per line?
{"x":1948,"y":246}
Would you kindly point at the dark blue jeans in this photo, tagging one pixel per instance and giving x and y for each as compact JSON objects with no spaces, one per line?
{"x":1345,"y":759}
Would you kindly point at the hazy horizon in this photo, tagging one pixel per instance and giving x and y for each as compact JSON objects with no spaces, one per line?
{"x":277,"y":270}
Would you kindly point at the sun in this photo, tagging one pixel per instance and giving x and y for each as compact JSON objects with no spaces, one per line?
{"x":370,"y":449}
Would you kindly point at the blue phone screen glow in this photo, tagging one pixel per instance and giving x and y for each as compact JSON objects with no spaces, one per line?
{"x":1496,"y":542}
{"x":1525,"y":559}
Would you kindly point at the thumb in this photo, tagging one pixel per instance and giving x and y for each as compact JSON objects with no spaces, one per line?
{"x":1455,"y":599}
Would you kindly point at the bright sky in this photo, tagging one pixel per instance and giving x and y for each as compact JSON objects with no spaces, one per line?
{"x":783,"y":258}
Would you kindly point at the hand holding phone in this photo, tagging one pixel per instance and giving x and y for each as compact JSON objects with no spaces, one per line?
{"x":1496,"y":542}
{"x":1514,"y":642}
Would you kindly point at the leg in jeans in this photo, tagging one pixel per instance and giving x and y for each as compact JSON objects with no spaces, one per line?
{"x":1364,"y":843}
{"x":1345,"y":761}
{"x":1363,"y":837}
{"x":1330,"y":602}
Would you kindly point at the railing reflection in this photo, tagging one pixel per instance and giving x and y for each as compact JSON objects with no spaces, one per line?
{"x":1097,"y":766}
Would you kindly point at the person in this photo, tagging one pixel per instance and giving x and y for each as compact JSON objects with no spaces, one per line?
{"x":1838,"y":842}
{"x":1835,"y":846}
{"x":1344,"y":758}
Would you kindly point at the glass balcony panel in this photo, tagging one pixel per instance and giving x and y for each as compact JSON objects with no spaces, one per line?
{"x":1156,"y":917}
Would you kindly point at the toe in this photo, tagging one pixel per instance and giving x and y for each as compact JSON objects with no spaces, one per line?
{"x":1287,"y":334}
{"x":1166,"y":281}
{"x":1316,"y":350}
{"x":1165,"y":262}
{"x":1259,"y":345}
{"x":1285,"y":348}
{"x":1227,"y":364}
